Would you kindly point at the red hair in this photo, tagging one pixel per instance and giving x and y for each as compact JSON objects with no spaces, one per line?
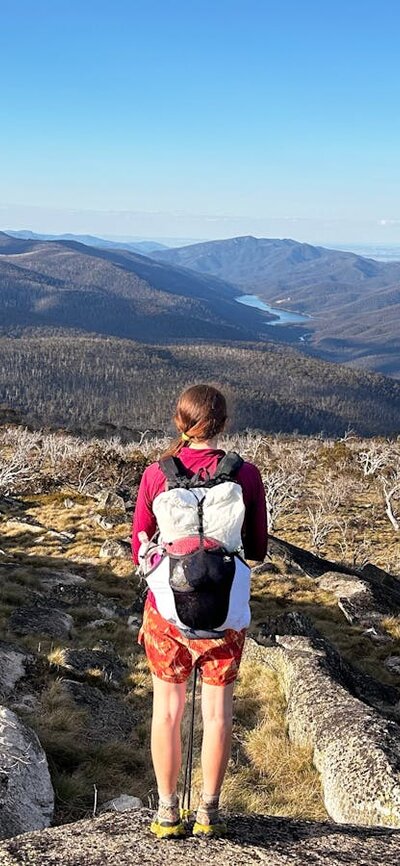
{"x":200,"y":414}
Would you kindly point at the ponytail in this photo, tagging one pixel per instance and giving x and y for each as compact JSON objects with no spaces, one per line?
{"x":200,"y":414}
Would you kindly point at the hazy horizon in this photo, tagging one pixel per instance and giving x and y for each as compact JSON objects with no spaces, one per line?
{"x":379,"y":251}
{"x":193,"y":228}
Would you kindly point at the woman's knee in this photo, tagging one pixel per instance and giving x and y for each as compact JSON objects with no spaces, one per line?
{"x":168,"y":702}
{"x":216,"y":705}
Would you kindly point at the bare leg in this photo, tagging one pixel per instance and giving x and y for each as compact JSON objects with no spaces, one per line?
{"x":216,"y":705}
{"x":168,"y":706}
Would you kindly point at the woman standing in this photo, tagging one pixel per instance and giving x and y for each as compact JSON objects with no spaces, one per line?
{"x":200,"y":416}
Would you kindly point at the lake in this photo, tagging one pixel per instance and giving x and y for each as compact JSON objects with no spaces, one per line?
{"x":283,"y":317}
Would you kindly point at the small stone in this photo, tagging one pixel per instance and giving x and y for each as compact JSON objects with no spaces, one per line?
{"x":68,"y":503}
{"x":115,"y":549}
{"x":64,"y":536}
{"x":392,"y":664}
{"x":134,"y":623}
{"x":109,"y":499}
{"x":103,"y":522}
{"x":123,"y":803}
{"x":376,"y":635}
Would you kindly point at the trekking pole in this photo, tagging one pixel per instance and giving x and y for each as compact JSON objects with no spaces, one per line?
{"x":187,"y":783}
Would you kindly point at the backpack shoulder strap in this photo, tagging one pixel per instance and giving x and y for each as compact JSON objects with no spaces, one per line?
{"x":229,"y":466}
{"x":173,"y":470}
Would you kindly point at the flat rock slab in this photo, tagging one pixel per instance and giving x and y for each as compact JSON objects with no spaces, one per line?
{"x":78,"y":595}
{"x":124,"y":840}
{"x":81,"y":661}
{"x":55,"y":579}
{"x":41,"y":620}
{"x":13,"y":662}
{"x":385,"y":587}
{"x":108,"y":717}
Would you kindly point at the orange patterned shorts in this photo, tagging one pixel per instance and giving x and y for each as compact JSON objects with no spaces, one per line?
{"x":171,"y":656}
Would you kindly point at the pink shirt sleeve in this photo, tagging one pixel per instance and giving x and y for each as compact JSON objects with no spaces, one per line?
{"x":255,"y":527}
{"x":143,"y":518}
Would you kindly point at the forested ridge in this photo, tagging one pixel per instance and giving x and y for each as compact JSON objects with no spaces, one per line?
{"x":82,"y":381}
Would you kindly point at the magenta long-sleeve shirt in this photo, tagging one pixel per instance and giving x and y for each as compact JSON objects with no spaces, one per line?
{"x":254,"y":531}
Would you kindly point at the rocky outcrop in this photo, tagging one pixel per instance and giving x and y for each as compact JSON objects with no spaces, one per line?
{"x":355,"y":749}
{"x":110,"y":500}
{"x":364,"y":596}
{"x":124,"y":840}
{"x":26,"y":793}
{"x":384,"y":587}
{"x":383,"y":697}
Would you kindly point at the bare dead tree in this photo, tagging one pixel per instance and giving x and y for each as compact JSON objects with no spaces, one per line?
{"x":14,"y":474}
{"x":390,"y":487}
{"x":319,"y":525}
{"x":374,"y":458}
{"x":282,"y":490}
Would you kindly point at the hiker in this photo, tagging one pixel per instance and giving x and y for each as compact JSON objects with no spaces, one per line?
{"x":210,"y":511}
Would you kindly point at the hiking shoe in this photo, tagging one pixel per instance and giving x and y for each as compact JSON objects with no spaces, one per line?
{"x":167,"y":823}
{"x":208,"y":821}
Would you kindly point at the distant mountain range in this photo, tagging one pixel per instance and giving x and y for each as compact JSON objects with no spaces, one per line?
{"x":143,"y":247}
{"x":88,"y":333}
{"x":354,"y":301}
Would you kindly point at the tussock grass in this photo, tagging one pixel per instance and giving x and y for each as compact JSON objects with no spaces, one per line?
{"x":60,"y":726}
{"x":57,"y":657}
{"x":391,"y":625}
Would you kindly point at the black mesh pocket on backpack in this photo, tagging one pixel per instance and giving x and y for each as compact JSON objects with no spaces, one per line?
{"x":201,"y":583}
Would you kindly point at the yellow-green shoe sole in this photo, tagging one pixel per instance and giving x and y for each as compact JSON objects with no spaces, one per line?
{"x":174,"y":831}
{"x":210,"y":830}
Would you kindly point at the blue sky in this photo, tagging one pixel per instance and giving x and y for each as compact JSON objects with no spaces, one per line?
{"x":203,"y":119}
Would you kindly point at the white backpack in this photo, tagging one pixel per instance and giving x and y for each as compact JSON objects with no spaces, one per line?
{"x":195,"y":568}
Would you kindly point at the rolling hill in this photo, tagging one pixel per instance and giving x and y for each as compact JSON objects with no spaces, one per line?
{"x":354,"y":302}
{"x":115,"y":292}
